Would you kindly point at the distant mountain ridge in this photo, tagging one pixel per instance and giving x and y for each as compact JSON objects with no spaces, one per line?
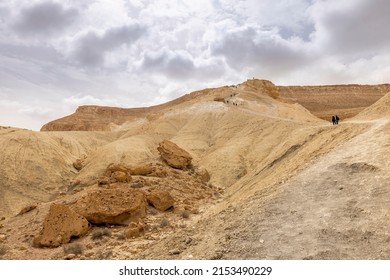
{"x":322,"y":101}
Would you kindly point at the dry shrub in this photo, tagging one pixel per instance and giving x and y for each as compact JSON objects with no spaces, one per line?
{"x":164,"y":223}
{"x":3,"y":250}
{"x":74,"y":248}
{"x":104,"y":254}
{"x":153,"y":211}
{"x":121,"y":237}
{"x":185,"y":214}
{"x":100,"y":234}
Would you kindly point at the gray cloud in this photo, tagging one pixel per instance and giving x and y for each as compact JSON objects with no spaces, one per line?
{"x":180,"y":65}
{"x":177,"y":65}
{"x":47,"y":18}
{"x":91,"y":48}
{"x":354,"y":29}
{"x":253,"y":48}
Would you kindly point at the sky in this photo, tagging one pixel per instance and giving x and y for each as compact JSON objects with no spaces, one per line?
{"x":58,"y":55}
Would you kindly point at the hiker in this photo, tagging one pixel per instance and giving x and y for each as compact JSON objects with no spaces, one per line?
{"x":337,"y":119}
{"x":333,"y":120}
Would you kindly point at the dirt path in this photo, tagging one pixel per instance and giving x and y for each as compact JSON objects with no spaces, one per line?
{"x":338,"y":208}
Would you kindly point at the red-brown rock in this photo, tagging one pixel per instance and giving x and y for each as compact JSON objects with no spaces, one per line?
{"x":173,"y":155}
{"x":60,"y":225}
{"x":141,"y":170}
{"x":161,"y":200}
{"x":119,"y":206}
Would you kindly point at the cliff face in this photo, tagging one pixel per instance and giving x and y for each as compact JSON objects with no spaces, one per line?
{"x":88,"y":118}
{"x":325,"y":101}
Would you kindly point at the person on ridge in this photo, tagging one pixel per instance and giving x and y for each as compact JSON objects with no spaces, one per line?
{"x":333,"y":120}
{"x":337,"y":119}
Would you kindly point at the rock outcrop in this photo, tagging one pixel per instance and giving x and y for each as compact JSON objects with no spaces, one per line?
{"x":119,"y":206}
{"x":60,"y":225}
{"x":160,"y":199}
{"x":173,"y":155}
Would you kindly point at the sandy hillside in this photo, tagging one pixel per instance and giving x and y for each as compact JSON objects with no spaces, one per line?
{"x":277,"y":174}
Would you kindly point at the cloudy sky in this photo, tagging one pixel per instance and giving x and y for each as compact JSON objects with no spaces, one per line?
{"x":57,"y":55}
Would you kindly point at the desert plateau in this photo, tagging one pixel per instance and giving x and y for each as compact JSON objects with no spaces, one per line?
{"x":246,"y":171}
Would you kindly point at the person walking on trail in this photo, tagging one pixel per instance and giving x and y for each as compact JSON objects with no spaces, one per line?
{"x":337,"y":119}
{"x":333,"y":120}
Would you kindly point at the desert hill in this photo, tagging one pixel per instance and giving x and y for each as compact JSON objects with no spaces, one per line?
{"x":276,"y":173}
{"x":321,"y":101}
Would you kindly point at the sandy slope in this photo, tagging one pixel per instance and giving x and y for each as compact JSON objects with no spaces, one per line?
{"x":294,"y":186}
{"x":336,"y":208}
{"x":36,"y":167}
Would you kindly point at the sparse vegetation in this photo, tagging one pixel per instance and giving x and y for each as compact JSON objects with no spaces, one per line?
{"x":74,"y":248}
{"x":164,"y":223}
{"x":153,"y":211}
{"x":100,"y":234}
{"x":104,"y":255}
{"x":3,"y":250}
{"x":185,"y":214}
{"x":121,"y":237}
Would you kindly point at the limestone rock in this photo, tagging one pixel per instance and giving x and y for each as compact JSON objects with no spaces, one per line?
{"x":112,"y":206}
{"x":27,"y":209}
{"x":78,"y":164}
{"x":173,"y":155}
{"x":120,"y":176}
{"x":203,"y":174}
{"x":118,"y":173}
{"x":161,"y":200}
{"x":60,"y":225}
{"x":103,"y":181}
{"x":141,"y":170}
{"x":111,"y":168}
{"x":134,"y":230}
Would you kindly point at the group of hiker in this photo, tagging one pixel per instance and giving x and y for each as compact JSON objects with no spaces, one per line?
{"x":335,"y":119}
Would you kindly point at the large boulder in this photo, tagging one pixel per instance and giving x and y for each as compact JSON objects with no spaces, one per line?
{"x":60,"y":225}
{"x":119,"y":206}
{"x":161,"y":200}
{"x":173,"y":155}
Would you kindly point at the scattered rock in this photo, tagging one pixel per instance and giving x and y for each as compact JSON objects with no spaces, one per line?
{"x":103,"y":181}
{"x":78,"y":164}
{"x":203,"y":174}
{"x":120,"y":176}
{"x":219,"y":99}
{"x":111,"y":168}
{"x":174,"y":252}
{"x":134,"y":230}
{"x":60,"y":225}
{"x":161,"y":200}
{"x":137,"y":185}
{"x":70,"y":257}
{"x":173,"y":155}
{"x":141,"y":170}
{"x":3,"y":237}
{"x":119,"y":206}
{"x":27,"y":209}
